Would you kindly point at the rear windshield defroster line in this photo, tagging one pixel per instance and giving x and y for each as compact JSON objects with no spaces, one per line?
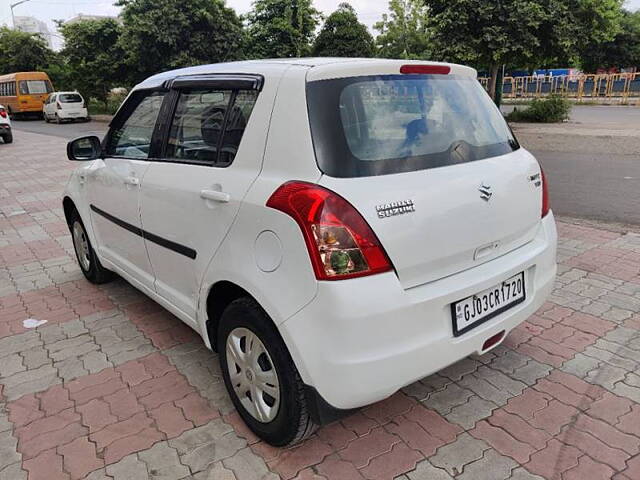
{"x":386,"y":124}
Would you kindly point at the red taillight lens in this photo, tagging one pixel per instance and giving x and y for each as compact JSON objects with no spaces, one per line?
{"x":340,"y":242}
{"x":425,"y":69}
{"x":3,"y":113}
{"x":546,"y":205}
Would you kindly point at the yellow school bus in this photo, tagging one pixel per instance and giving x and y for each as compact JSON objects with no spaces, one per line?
{"x":24,"y":93}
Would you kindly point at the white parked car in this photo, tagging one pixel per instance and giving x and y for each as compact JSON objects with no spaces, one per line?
{"x":5,"y":126}
{"x":335,"y":229}
{"x":62,"y":106}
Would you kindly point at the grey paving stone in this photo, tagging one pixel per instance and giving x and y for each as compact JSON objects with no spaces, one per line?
{"x":70,"y":368}
{"x":129,"y":468}
{"x":216,"y":472}
{"x":8,"y":453}
{"x":531,"y":372}
{"x":207,"y":444}
{"x":445,"y":400}
{"x":31,"y":381}
{"x":94,"y":362}
{"x":484,"y":389}
{"x":606,"y":376}
{"x":13,"y":472}
{"x":468,"y":414}
{"x":458,"y":370}
{"x":492,"y":466}
{"x":127,"y":350}
{"x":426,"y":471}
{"x":19,"y":343}
{"x":580,"y":365}
{"x":11,"y":365}
{"x":501,"y":381}
{"x":163,"y":463}
{"x":628,"y":391}
{"x":521,"y":474}
{"x":99,"y":475}
{"x":246,"y":465}
{"x":35,"y":357}
{"x":454,"y":456}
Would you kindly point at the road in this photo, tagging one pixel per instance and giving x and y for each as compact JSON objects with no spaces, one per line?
{"x":595,"y":177}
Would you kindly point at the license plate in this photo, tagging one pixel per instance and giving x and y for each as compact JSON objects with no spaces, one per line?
{"x":477,"y":309}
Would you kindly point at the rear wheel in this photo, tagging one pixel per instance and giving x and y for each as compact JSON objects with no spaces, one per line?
{"x":8,"y":138}
{"x":86,"y":255}
{"x":260,"y":375}
{"x":58,"y":120}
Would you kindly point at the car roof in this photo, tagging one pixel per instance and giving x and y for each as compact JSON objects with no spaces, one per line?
{"x":64,"y":93}
{"x":322,"y":67}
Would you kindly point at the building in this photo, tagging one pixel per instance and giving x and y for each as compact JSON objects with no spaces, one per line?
{"x":33,"y":25}
{"x":81,"y":16}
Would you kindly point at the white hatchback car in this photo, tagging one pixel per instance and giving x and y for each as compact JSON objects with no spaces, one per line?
{"x":335,"y":228}
{"x":65,"y":106}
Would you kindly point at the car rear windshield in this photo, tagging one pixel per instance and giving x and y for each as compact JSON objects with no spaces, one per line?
{"x":69,"y":98}
{"x":378,"y":125}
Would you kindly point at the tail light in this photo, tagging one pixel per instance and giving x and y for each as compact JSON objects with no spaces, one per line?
{"x":3,"y":113}
{"x":340,"y":242}
{"x":58,"y":106}
{"x":546,"y":205}
{"x":84,"y":104}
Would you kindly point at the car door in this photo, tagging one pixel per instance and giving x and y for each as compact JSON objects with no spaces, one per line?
{"x":114,"y":186}
{"x":47,"y":106}
{"x":213,"y":151}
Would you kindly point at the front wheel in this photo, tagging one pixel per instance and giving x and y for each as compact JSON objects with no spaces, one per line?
{"x":260,"y":375}
{"x":86,"y":255}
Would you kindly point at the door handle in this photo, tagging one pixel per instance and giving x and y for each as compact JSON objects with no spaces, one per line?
{"x":132,"y":181}
{"x":215,"y":195}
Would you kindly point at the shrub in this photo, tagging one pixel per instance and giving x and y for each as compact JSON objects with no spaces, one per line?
{"x":114,"y":100}
{"x":548,"y":110}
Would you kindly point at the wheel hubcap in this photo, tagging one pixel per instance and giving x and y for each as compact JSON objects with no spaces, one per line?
{"x":253,"y":375}
{"x":81,"y":244}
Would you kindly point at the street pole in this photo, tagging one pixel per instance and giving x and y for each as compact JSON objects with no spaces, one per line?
{"x":12,"y":5}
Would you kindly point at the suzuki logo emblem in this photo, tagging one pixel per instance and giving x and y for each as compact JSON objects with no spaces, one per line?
{"x":485,"y":192}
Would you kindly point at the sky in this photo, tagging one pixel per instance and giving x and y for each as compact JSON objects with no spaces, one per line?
{"x":369,"y":11}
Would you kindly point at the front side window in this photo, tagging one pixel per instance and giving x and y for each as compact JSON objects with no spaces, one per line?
{"x":364,"y":126}
{"x":132,"y":137}
{"x":208,"y":125}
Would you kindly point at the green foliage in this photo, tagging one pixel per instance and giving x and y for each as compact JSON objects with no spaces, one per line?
{"x":281,"y":28}
{"x":404,"y":30}
{"x":160,"y":35}
{"x":108,"y":107}
{"x":342,"y":35}
{"x":622,"y":51}
{"x":93,"y":56}
{"x":22,"y":52}
{"x":548,"y":110}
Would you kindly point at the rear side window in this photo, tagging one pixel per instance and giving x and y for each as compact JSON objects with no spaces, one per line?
{"x":367,"y":126}
{"x":35,"y":87}
{"x":70,"y":98}
{"x":131,"y":137}
{"x":208,"y":125}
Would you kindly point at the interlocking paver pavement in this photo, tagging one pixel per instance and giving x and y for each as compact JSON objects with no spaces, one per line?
{"x":115,"y":387}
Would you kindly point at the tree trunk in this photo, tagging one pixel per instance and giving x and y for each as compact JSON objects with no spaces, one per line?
{"x":492,"y":81}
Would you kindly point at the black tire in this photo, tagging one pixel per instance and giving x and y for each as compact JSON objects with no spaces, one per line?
{"x":292,"y":423}
{"x":58,"y":119}
{"x":46,"y":117}
{"x":95,"y":272}
{"x":8,"y":138}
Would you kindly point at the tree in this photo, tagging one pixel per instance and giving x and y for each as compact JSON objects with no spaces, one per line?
{"x":22,"y":52}
{"x":404,"y":30}
{"x":281,"y":28}
{"x":342,"y":35}
{"x":622,"y":51}
{"x":161,"y":35}
{"x":518,"y":32}
{"x":93,"y":56}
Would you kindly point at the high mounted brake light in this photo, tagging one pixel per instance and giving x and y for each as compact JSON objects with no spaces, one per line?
{"x":425,"y":69}
{"x":340,"y":242}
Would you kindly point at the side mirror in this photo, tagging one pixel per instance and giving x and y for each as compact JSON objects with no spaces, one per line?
{"x":84,"y":149}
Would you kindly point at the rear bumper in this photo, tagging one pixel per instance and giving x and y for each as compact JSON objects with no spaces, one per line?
{"x":5,"y":128}
{"x":66,"y":115}
{"x":361,"y":340}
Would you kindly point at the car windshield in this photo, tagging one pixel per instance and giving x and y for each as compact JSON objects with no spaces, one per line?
{"x":69,"y":98}
{"x":34,"y":87}
{"x":378,"y":125}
